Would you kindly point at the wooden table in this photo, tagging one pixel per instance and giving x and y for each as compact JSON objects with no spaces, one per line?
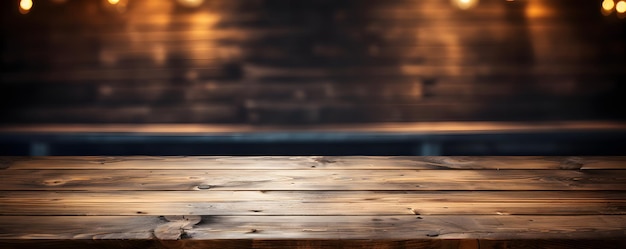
{"x":313,"y":202}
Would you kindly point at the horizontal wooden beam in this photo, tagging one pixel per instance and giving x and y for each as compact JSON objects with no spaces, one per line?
{"x":320,"y":244}
{"x":317,"y":227}
{"x":279,"y":203}
{"x":312,"y":162}
{"x":312,"y":179}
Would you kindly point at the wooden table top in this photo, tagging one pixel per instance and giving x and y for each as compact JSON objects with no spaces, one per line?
{"x":313,"y":202}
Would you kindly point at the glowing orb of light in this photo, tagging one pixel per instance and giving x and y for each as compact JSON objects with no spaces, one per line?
{"x":190,"y":3}
{"x":608,"y":5}
{"x":621,"y":7}
{"x":114,"y":2}
{"x":25,"y":6}
{"x":464,"y":4}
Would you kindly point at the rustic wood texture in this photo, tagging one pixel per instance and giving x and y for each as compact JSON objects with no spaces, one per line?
{"x":335,"y":202}
{"x":313,"y":202}
{"x":318,"y":243}
{"x":318,"y":227}
{"x":313,"y":162}
{"x":313,"y":179}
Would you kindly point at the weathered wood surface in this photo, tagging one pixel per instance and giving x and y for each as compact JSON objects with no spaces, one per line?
{"x":313,"y":162}
{"x":318,"y":243}
{"x":312,"y":179}
{"x":337,"y":202}
{"x":257,"y":202}
{"x":318,"y":227}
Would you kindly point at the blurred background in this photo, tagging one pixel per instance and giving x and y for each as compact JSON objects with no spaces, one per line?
{"x":291,"y":71}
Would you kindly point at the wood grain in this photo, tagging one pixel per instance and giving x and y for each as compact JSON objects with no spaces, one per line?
{"x":312,"y":162}
{"x":320,"y":227}
{"x":257,"y":202}
{"x":312,"y":179}
{"x":278,"y":203}
{"x":320,"y":244}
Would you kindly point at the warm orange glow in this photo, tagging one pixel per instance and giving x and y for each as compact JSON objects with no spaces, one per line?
{"x":608,"y":5}
{"x":202,"y":53}
{"x":621,"y":7}
{"x":25,"y":6}
{"x":538,"y":9}
{"x":159,"y":54}
{"x":119,"y":6}
{"x":190,"y":3}
{"x":464,"y":4}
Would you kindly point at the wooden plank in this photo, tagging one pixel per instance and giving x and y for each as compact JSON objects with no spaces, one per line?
{"x":319,"y":227}
{"x":143,"y":243}
{"x":313,"y":179}
{"x":297,"y":112}
{"x":261,"y":203}
{"x":215,"y":112}
{"x":214,"y":70}
{"x":206,"y":51}
{"x":320,"y":244}
{"x":318,"y":162}
{"x":431,"y":109}
{"x":560,"y":244}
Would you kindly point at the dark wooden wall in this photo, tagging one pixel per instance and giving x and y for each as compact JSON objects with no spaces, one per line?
{"x":311,"y":62}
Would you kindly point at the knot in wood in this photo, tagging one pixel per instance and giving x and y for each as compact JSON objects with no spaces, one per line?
{"x":175,"y":228}
{"x":572,"y":163}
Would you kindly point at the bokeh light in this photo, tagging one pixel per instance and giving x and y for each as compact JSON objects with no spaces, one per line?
{"x":115,"y":6}
{"x":538,"y":9}
{"x":608,"y":5}
{"x":190,"y":3}
{"x":620,"y":7}
{"x":25,"y":6}
{"x":464,"y":4}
